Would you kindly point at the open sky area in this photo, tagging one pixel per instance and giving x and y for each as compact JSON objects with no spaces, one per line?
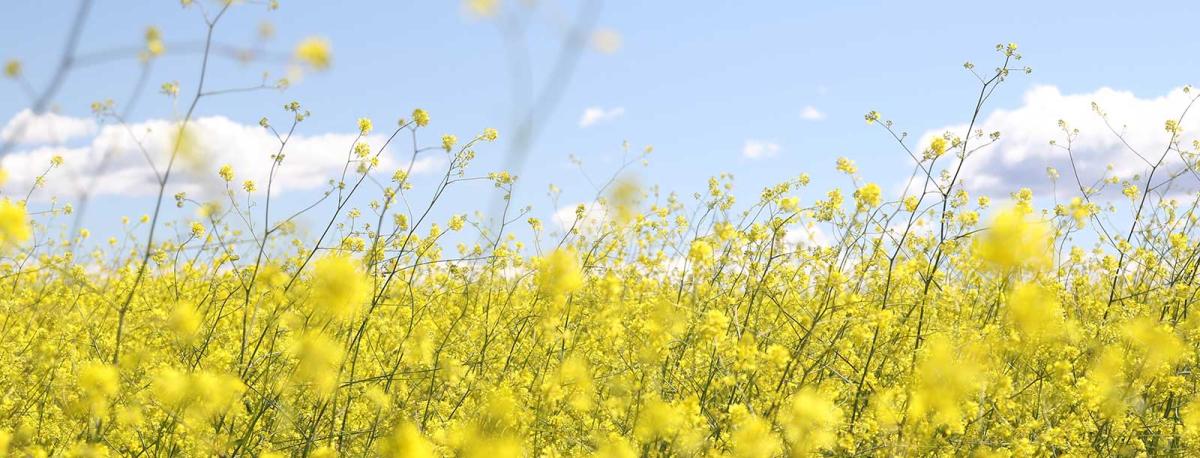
{"x":763,"y":90}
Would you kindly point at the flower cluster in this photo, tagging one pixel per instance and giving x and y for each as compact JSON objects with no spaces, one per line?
{"x":914,"y":324}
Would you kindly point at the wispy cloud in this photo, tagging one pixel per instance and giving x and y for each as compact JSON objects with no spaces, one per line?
{"x":593,"y":115}
{"x":568,"y":216}
{"x":806,"y":236}
{"x":117,"y":159}
{"x":811,"y":113}
{"x":1021,"y":154}
{"x":759,"y":149}
{"x":28,"y":128}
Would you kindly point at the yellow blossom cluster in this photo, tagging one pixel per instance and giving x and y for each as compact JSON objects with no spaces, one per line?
{"x":924,"y":324}
{"x":871,"y":344}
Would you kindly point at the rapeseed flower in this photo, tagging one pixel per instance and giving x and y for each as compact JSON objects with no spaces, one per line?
{"x":1015,"y":241}
{"x":14,"y":223}
{"x":314,"y":52}
{"x":339,"y":287}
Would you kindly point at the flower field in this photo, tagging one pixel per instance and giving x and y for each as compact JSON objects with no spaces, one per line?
{"x":928,"y":322}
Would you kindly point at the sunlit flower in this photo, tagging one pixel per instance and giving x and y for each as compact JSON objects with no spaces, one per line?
{"x":315,"y":52}
{"x":420,"y":117}
{"x":846,"y":166}
{"x":339,"y":287}
{"x":1014,"y":240}
{"x":14,"y":223}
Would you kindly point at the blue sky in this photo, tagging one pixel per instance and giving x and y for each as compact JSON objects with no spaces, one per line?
{"x":697,"y":80}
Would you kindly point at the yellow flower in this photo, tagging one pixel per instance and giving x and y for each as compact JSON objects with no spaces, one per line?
{"x":657,"y":419}
{"x":364,"y":126}
{"x":868,"y":196}
{"x":98,"y":379}
{"x":1105,"y":386}
{"x":1052,"y":173}
{"x":448,"y":142}
{"x":201,"y":394}
{"x":198,"y":229}
{"x":216,"y":393}
{"x":482,"y":8}
{"x":154,"y":43}
{"x":317,"y":361}
{"x":789,"y":204}
{"x":752,"y":437}
{"x":362,"y":150}
{"x":85,"y":450}
{"x":339,"y":287}
{"x":607,"y":41}
{"x":171,"y":88}
{"x":846,"y":166}
{"x":811,"y":422}
{"x":314,"y":52}
{"x":14,"y":223}
{"x":406,"y":441}
{"x":615,"y":446}
{"x":98,"y":383}
{"x":624,"y":197}
{"x":700,"y":253}
{"x":490,"y":134}
{"x":1191,"y":418}
{"x":184,"y":321}
{"x":937,"y":147}
{"x":1036,"y":313}
{"x":226,"y":172}
{"x":12,"y":68}
{"x":1173,"y":127}
{"x":725,"y":231}
{"x":420,"y":117}
{"x":1015,"y":241}
{"x":456,"y":222}
{"x":1158,"y":345}
{"x":559,"y":273}
{"x":1081,"y":211}
{"x":1130,"y":190}
{"x":947,"y":376}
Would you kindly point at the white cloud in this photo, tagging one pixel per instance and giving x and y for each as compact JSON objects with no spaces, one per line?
{"x":1022,"y":154}
{"x":113,"y":163}
{"x":811,"y":113}
{"x":921,"y":227}
{"x":47,"y":128}
{"x":759,"y":149}
{"x":594,"y":215}
{"x":806,"y":236}
{"x":593,"y":115}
